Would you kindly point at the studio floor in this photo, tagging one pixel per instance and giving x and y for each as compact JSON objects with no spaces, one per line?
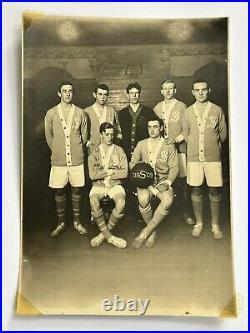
{"x":181,"y":275}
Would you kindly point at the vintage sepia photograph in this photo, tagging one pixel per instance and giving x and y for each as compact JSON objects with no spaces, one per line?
{"x":126,"y":167}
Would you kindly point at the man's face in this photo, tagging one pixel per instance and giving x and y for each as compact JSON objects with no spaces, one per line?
{"x":201,"y":91}
{"x":133,"y":96}
{"x":168,"y":90}
{"x":66,"y":93}
{"x":101,"y":96}
{"x":108,"y":136}
{"x":154,"y":129}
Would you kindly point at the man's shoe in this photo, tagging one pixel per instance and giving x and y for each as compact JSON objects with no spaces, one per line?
{"x":217,"y":233}
{"x":188,"y":219}
{"x":197,"y":230}
{"x":79,"y":228}
{"x":140,"y":239}
{"x":150,"y":242}
{"x":97,"y":240}
{"x":58,"y":230}
{"x":117,"y":242}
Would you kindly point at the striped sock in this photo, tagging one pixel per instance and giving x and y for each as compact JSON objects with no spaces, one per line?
{"x":100,"y":221}
{"x":60,"y":207}
{"x":76,"y":199}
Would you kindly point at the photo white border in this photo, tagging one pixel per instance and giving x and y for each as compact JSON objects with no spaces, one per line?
{"x":11,"y":108}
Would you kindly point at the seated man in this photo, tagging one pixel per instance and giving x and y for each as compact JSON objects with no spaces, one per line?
{"x":107,"y":167}
{"x":163,"y":159}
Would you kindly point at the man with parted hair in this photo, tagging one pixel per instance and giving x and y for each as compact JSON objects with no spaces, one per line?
{"x":108,"y":166}
{"x":66,"y":132}
{"x":204,"y":129}
{"x":133,"y":119}
{"x":171,"y":111}
{"x":99,"y":113}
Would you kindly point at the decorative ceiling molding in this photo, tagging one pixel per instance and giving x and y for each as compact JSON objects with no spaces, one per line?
{"x":59,"y":52}
{"x":92,"y":52}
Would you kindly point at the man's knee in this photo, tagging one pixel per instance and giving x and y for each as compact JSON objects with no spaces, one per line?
{"x":119,"y":203}
{"x":143,"y":197}
{"x":167,"y":200}
{"x":214,"y":193}
{"x":94,"y":203}
{"x":196,"y":193}
{"x":60,"y":193}
{"x":76,"y":190}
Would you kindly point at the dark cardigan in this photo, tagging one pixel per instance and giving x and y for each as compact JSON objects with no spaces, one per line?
{"x":144,"y":114}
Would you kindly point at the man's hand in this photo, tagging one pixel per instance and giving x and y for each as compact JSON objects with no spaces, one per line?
{"x":170,"y":141}
{"x":110,"y":172}
{"x":162,"y":186}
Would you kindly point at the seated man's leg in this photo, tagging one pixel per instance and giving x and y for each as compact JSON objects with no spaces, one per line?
{"x":76,"y":204}
{"x":97,"y":213}
{"x":144,"y":198}
{"x":118,"y":212}
{"x":215,"y":201}
{"x":116,"y":215}
{"x":60,"y":198}
{"x":166,"y":199}
{"x":197,"y":202}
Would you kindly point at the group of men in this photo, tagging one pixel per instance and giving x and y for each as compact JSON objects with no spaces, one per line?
{"x":182,"y":145}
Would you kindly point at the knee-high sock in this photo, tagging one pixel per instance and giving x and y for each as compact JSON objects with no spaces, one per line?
{"x":185,"y":196}
{"x":197,"y":202}
{"x":158,"y":216}
{"x":101,"y":223}
{"x":146,"y":213}
{"x":60,"y":207}
{"x":114,"y":218}
{"x":215,"y":208}
{"x":76,"y":200}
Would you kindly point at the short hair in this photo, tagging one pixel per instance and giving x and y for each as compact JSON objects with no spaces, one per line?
{"x":154,"y":117}
{"x":64,"y":83}
{"x":200,"y":80}
{"x":105,"y":126}
{"x":101,"y":86}
{"x":133,"y":85}
{"x":168,"y":81}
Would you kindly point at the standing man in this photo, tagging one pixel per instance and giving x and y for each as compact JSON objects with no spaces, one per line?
{"x":163,"y":158}
{"x":66,"y":134}
{"x":171,"y":111}
{"x":108,"y":166}
{"x":204,"y":130}
{"x":99,"y":113}
{"x":134,"y":120}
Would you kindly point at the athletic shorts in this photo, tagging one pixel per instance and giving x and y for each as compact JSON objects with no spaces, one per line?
{"x":198,"y":171}
{"x":61,"y":175}
{"x":102,"y":191}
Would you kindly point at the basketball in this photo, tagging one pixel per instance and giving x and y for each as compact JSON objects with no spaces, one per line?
{"x":142,"y":175}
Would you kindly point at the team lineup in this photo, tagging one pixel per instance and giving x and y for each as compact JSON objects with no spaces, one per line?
{"x":137,"y":155}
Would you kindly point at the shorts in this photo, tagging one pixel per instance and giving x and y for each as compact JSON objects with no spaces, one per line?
{"x":102,"y":191}
{"x":182,"y":165}
{"x":61,"y":175}
{"x":198,"y":171}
